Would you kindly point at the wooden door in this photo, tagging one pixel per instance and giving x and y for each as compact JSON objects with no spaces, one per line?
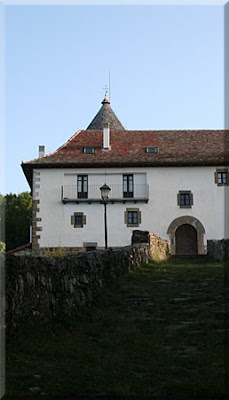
{"x":186,"y":240}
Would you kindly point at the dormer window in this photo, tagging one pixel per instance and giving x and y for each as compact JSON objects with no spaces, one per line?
{"x":89,"y":150}
{"x":151,"y":150}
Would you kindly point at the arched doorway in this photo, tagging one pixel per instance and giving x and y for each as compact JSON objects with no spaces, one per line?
{"x":189,"y":240}
{"x":186,"y":240}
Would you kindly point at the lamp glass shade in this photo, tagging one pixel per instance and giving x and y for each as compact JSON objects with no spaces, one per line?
{"x":105,"y":190}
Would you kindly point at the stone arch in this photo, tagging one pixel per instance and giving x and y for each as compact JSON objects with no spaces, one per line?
{"x":186,"y":219}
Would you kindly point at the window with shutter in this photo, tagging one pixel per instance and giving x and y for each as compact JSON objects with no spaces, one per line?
{"x":78,"y":220}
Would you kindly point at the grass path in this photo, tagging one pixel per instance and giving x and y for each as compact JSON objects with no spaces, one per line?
{"x":158,"y":331}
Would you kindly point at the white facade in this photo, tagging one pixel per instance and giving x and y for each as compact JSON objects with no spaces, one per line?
{"x":226,"y":66}
{"x":155,"y":197}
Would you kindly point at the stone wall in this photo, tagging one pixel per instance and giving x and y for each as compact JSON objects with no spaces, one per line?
{"x":159,"y":248}
{"x":218,"y":249}
{"x":45,"y":287}
{"x":2,"y":325}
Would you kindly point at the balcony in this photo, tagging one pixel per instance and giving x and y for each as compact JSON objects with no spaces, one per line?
{"x":69,"y":194}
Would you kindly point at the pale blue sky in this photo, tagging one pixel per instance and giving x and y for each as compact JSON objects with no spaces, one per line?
{"x":166,"y":66}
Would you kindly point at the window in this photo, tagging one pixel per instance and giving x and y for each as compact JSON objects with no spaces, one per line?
{"x":82,"y":186}
{"x":128,"y":186}
{"x":78,"y":220}
{"x":185,"y":199}
{"x":151,"y":150}
{"x":88,"y":150}
{"x":132,"y":217}
{"x":222,"y":177}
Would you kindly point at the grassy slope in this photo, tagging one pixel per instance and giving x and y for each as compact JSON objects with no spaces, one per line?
{"x":159,"y":331}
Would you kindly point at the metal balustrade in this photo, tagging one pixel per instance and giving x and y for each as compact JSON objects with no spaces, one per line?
{"x":70,"y":193}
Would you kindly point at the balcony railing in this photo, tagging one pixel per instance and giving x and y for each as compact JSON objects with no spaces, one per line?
{"x":70,"y":194}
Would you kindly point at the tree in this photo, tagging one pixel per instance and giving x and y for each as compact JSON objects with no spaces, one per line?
{"x":2,"y":222}
{"x":18,"y":217}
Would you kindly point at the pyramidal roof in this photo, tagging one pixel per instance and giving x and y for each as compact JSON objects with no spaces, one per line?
{"x":105,"y":115}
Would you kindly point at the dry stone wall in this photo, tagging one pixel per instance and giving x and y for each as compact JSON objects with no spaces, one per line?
{"x":159,"y":248}
{"x":42,"y":288}
{"x":218,"y":249}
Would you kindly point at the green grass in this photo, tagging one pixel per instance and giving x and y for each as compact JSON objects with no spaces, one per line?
{"x":159,"y":331}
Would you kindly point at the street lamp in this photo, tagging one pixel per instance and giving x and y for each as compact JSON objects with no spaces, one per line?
{"x":105,"y":196}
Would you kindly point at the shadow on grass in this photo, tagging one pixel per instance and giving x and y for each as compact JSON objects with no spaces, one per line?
{"x":157,"y":332}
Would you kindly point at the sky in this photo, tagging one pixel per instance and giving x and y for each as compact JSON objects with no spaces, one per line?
{"x":165,"y":62}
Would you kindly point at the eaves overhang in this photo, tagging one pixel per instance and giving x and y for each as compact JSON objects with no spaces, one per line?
{"x":201,"y":162}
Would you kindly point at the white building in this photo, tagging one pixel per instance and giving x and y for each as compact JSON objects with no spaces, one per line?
{"x":172,"y":183}
{"x":226,"y":65}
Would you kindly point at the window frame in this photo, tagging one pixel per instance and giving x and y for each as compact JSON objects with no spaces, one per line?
{"x":82,"y":184}
{"x":78,"y":215}
{"x":88,"y":150}
{"x":132,"y":223}
{"x":128,"y":184}
{"x":220,"y":172}
{"x":181,"y":196}
{"x":151,"y":150}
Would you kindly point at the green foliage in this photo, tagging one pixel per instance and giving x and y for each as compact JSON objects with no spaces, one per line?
{"x":2,"y":247}
{"x":18,"y":217}
{"x":2,"y":218}
{"x":57,"y":252}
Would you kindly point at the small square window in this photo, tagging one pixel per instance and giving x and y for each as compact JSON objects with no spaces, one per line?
{"x":222,"y":177}
{"x":78,"y":220}
{"x":89,"y":150}
{"x":185,"y":199}
{"x":132,"y":217}
{"x":151,"y":150}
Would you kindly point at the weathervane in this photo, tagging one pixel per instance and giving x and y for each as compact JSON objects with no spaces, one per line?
{"x":106,"y":90}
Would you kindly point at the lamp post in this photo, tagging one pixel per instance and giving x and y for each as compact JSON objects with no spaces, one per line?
{"x":105,"y":196}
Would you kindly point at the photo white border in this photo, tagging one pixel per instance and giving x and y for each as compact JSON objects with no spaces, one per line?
{"x":6,"y":3}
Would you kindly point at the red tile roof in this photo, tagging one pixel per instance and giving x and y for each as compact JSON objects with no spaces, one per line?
{"x":175,"y":148}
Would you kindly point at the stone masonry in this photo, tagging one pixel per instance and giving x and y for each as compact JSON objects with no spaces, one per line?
{"x":218,"y":249}
{"x":47,"y":287}
{"x":159,"y":248}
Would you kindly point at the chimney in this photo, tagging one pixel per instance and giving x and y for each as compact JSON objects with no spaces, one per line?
{"x":41,"y":151}
{"x":106,"y":136}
